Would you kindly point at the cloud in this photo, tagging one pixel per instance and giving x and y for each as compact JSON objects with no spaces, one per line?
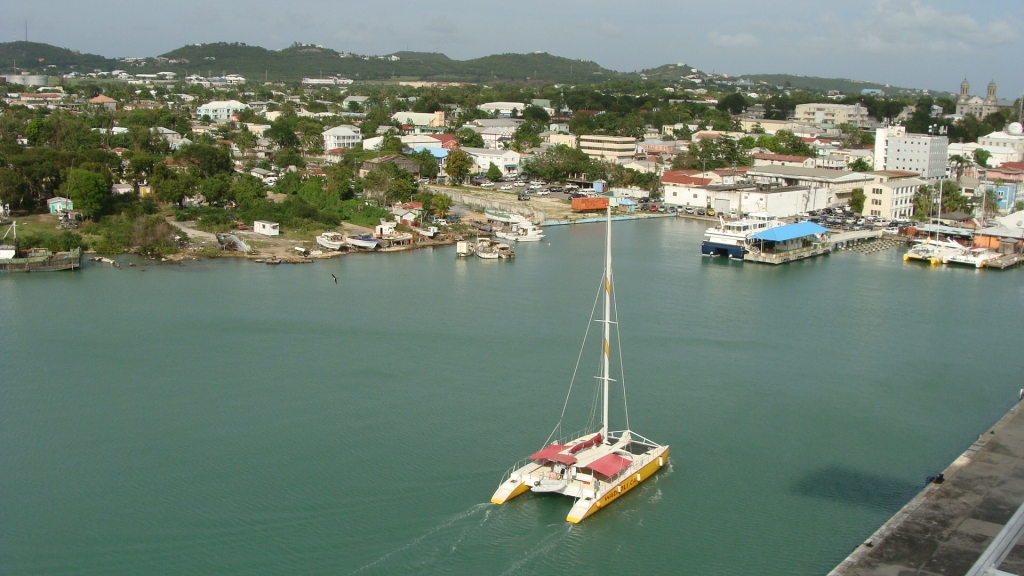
{"x":896,"y":24}
{"x":738,"y":40}
{"x":609,"y":29}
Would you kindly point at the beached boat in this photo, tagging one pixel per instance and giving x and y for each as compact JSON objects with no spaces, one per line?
{"x":331,"y":240}
{"x":594,"y":466}
{"x":35,"y":259}
{"x":730,"y":238}
{"x":464,"y":248}
{"x":364,"y":241}
{"x":976,"y":257}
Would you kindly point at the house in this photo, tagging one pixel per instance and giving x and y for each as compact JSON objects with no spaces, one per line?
{"x":118,"y":189}
{"x":59,"y":204}
{"x":396,"y":159}
{"x":220,"y":110}
{"x":420,"y":119}
{"x":354,"y":102}
{"x":266,"y":228}
{"x":173,"y":139}
{"x":447,"y":140}
{"x":766,"y":159}
{"x":506,"y":160}
{"x":497,"y":136}
{"x":344,"y":136}
{"x":104,"y":102}
{"x":408,"y":213}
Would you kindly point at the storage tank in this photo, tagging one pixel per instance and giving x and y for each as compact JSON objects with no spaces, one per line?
{"x":28,"y":79}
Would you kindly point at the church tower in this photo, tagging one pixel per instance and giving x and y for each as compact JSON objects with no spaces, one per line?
{"x":990,"y":97}
{"x":965,"y":90}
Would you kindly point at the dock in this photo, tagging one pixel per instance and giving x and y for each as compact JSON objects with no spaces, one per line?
{"x":1006,"y":261}
{"x":968,"y":525}
{"x":788,"y":256}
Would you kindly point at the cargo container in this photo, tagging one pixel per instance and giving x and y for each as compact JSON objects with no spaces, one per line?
{"x":584,"y":204}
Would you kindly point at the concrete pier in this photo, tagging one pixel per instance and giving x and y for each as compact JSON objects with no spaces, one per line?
{"x":944,"y":529}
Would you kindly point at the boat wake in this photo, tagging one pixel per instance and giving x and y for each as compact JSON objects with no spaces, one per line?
{"x":540,"y":549}
{"x":453,"y":523}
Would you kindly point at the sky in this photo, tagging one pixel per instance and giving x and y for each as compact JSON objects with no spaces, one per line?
{"x":914,"y":43}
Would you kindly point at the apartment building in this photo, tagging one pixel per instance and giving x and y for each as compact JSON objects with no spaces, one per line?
{"x":896,"y":149}
{"x":613,"y":148}
{"x":220,"y":110}
{"x":835,"y":114}
{"x":891,"y":195}
{"x":344,"y":136}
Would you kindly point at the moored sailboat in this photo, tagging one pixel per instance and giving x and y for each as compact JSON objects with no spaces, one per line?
{"x":595,"y":467}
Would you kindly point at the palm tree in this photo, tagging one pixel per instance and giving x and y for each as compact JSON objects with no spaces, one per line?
{"x":960,"y":165}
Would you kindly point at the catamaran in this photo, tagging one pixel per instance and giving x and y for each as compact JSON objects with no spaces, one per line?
{"x":594,"y":466}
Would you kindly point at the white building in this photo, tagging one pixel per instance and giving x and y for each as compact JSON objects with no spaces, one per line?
{"x":1000,"y":154}
{"x":266,"y":228}
{"x":891,"y":195}
{"x":431,"y":119}
{"x":895,"y":149}
{"x":344,"y":136}
{"x":497,"y":136}
{"x":220,"y":110}
{"x":1013,"y":137}
{"x":615,"y":148}
{"x":506,"y":160}
{"x":835,"y":114}
{"x":502,"y":108}
{"x":781,"y":201}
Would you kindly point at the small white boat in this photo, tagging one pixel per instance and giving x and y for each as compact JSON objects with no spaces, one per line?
{"x":486,"y":249}
{"x":331,"y":240}
{"x":976,"y":257}
{"x":522,"y":232}
{"x":364,"y":241}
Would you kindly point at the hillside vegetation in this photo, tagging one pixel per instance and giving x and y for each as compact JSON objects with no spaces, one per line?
{"x":36,"y":56}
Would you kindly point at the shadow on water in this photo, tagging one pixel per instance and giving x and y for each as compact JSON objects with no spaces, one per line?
{"x":857,"y":487}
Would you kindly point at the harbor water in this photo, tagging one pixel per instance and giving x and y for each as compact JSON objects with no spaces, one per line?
{"x":226,"y":417}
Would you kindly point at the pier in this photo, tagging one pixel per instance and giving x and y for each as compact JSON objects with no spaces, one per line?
{"x":964,"y":526}
{"x":788,"y":256}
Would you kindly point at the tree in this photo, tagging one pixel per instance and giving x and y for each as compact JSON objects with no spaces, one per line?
{"x":537,"y":114}
{"x":427,"y":163}
{"x":458,"y":165}
{"x":247,"y":191}
{"x":493,"y":173}
{"x":13,"y":188}
{"x":281,"y":134}
{"x":857,"y":199}
{"x":339,"y":180}
{"x":923,"y":203}
{"x":208,"y":160}
{"x":469,"y":138}
{"x":960,"y":165}
{"x":88,"y":191}
{"x":860,"y":165}
{"x":757,"y":129}
{"x":981,"y":157}
{"x":734,"y":103}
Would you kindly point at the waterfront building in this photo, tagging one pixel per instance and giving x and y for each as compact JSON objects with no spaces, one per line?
{"x":835,"y":186}
{"x":891,"y":195}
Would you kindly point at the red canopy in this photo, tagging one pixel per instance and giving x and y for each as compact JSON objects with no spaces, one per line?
{"x":610,"y":464}
{"x":594,"y":441}
{"x":552,"y":453}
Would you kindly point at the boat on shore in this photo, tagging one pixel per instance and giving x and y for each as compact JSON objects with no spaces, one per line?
{"x":13,"y":260}
{"x":331,"y":240}
{"x":593,"y":466}
{"x":731,"y":238}
{"x":363,"y":241}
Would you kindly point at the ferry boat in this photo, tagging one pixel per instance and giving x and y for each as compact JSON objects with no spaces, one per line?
{"x":730,"y":238}
{"x":593,"y":466}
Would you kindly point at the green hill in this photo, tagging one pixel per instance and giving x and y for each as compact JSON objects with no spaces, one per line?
{"x":38,"y":57}
{"x":816,"y":84}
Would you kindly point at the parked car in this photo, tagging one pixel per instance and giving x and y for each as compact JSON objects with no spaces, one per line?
{"x":891,"y":230}
{"x":701,"y":212}
{"x":689,"y":210}
{"x":523,"y":196}
{"x":652,"y":208}
{"x":644,"y":207}
{"x":424,"y":180}
{"x":662,"y":208}
{"x":506,"y":187}
{"x":542,"y":192}
{"x":487,"y":184}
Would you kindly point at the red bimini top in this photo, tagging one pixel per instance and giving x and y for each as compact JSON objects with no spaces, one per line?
{"x":610,"y":464}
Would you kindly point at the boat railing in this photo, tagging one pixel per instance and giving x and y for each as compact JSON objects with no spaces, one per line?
{"x":562,"y":440}
{"x":634,"y":437}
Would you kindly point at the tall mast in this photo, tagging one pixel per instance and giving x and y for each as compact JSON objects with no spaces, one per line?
{"x":605,"y":374}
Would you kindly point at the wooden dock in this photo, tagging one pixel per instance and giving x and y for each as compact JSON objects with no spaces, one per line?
{"x":1006,"y":261}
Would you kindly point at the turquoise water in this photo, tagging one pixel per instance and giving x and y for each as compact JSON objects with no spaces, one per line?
{"x":232,"y":418}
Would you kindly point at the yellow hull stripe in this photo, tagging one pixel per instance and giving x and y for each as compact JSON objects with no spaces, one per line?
{"x":625,"y":485}
{"x":522,"y":488}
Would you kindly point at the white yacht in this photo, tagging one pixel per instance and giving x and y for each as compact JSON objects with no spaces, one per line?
{"x":522,"y":232}
{"x":596,"y":465}
{"x":976,"y":257}
{"x":934,"y":250}
{"x":331,"y":240}
{"x":730,"y":238}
